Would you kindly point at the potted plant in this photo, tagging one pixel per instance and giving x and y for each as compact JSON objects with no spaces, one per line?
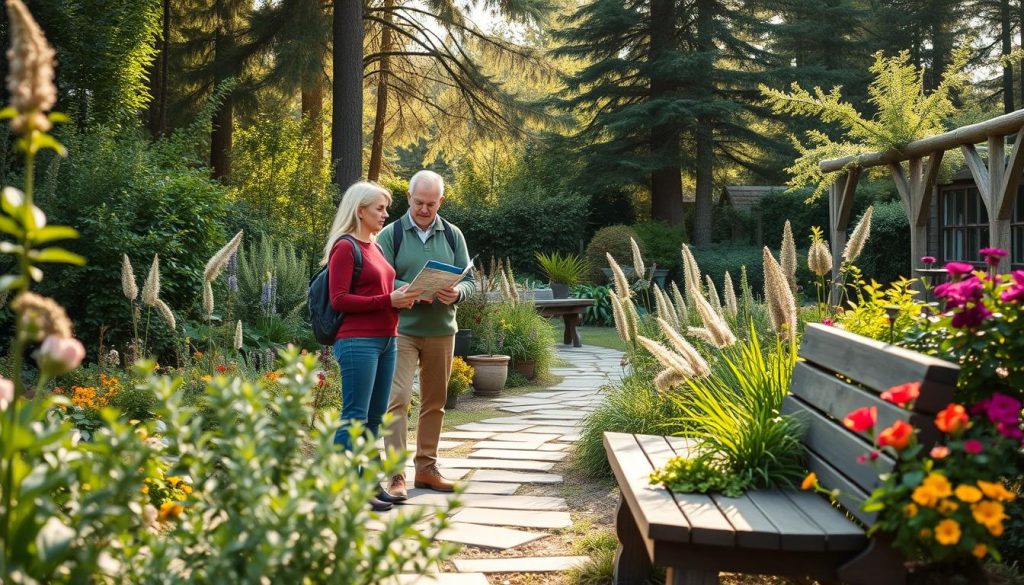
{"x":490,"y":369}
{"x":458,"y":382}
{"x":562,"y":272}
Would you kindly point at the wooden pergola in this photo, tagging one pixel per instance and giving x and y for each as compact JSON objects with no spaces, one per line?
{"x":997,"y":180}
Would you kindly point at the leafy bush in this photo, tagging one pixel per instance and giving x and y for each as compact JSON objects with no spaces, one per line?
{"x":613,"y":240}
{"x":272,"y":277}
{"x":886,"y":255}
{"x":461,"y":378}
{"x":716,"y":259}
{"x":600,"y":313}
{"x":868,"y":313}
{"x":568,"y":269}
{"x":661,"y":244}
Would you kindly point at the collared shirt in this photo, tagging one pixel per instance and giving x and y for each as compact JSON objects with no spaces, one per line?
{"x":424,"y":234}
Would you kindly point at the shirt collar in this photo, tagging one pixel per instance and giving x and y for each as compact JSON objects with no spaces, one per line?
{"x":437,"y":225}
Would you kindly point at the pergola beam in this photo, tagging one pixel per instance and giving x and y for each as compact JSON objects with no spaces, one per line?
{"x":916,"y":194}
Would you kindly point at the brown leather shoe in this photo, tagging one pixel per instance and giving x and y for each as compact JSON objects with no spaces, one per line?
{"x":397,"y":487}
{"x":432,"y":479}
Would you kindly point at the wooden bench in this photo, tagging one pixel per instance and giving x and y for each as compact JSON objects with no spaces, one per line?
{"x":782,"y":531}
{"x":570,"y":310}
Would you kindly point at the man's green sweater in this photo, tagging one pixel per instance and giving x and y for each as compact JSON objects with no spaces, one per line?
{"x":426,"y":319}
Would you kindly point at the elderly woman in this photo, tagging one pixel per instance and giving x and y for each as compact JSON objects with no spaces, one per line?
{"x":365,"y":343}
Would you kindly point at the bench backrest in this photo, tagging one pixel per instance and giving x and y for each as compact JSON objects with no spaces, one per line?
{"x":841,"y":372}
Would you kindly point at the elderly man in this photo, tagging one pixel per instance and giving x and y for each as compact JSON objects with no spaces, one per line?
{"x":426,"y":333}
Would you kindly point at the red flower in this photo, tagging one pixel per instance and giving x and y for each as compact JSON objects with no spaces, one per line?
{"x":221,"y":368}
{"x":861,"y":419}
{"x":897,"y":436}
{"x":973,"y":446}
{"x":952,"y":419}
{"x":903,"y":394}
{"x":939,"y":452}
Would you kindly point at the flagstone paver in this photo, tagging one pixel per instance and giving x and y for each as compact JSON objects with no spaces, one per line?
{"x":487,"y":536}
{"x":524,"y":518}
{"x":516,"y":476}
{"x":443,"y":579}
{"x":525,"y":437}
{"x":488,"y":501}
{"x":520,"y":455}
{"x":467,"y":435}
{"x":518,"y":564}
{"x":491,"y":427}
{"x":468,"y":463}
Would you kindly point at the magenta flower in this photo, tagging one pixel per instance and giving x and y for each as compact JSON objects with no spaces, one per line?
{"x":973,"y":446}
{"x":1015,"y":292}
{"x":828,"y":322}
{"x":927,"y":260}
{"x":970,"y":316}
{"x":993,"y":255}
{"x":958,"y":269}
{"x":959,"y":293}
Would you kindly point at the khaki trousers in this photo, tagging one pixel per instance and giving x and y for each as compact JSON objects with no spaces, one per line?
{"x":434,"y":357}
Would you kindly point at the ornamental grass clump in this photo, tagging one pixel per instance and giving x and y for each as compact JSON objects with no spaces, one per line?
{"x":779,"y":298}
{"x":787,"y":257}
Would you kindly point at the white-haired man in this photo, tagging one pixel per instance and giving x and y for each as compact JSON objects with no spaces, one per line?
{"x":426,"y":333}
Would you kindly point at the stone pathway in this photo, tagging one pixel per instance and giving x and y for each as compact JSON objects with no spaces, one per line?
{"x":508,"y":453}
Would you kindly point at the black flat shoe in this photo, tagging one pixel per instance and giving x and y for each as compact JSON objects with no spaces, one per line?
{"x":379,"y":505}
{"x":385,"y":496}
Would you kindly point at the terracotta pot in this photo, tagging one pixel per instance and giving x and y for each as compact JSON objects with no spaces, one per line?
{"x":527,"y":368}
{"x":489,"y":373}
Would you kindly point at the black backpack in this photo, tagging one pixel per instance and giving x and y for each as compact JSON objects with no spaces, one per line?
{"x":324,"y":319}
{"x":398,"y":234}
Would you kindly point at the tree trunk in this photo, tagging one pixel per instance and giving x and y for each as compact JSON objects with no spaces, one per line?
{"x":1005,"y":32}
{"x":666,"y":181}
{"x":165,"y":60}
{"x":377,"y":146}
{"x":346,"y":125}
{"x":223,"y":118}
{"x":313,"y":115}
{"x":704,"y":133}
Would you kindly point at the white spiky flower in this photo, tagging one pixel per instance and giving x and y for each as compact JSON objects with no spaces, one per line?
{"x":819,"y":259}
{"x":685,"y":349}
{"x":151,"y":288}
{"x":207,"y":299}
{"x":691,"y":274}
{"x":716,"y":302}
{"x":665,"y":356}
{"x":859,"y":237}
{"x":30,"y":71}
{"x":731,"y":305}
{"x":668,"y":379}
{"x":128,"y":286}
{"x":665,"y":309}
{"x":219,"y":260}
{"x":619,"y":316}
{"x":778,"y":297}
{"x":619,"y":279}
{"x":787,"y":256}
{"x":238,"y":335}
{"x":632,"y":317}
{"x":715,"y":331}
{"x":166,"y":313}
{"x":680,"y":303}
{"x":638,"y":259}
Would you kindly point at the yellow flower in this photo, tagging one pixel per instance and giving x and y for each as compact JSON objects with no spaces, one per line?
{"x":173,"y":480}
{"x":925,"y":496}
{"x":810,"y":481}
{"x":910,"y":510}
{"x":169,"y":511}
{"x":979,"y":550}
{"x":988,"y":513}
{"x":948,"y":506}
{"x":996,"y":491}
{"x":996,"y":529}
{"x":947,"y":532}
{"x":939,"y":484}
{"x":207,"y":377}
{"x":186,"y":488}
{"x":968,"y":493}
{"x":145,"y":488}
{"x":925,"y":534}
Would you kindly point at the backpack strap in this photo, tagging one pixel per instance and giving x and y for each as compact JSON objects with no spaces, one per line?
{"x":399,"y":233}
{"x":357,"y":260}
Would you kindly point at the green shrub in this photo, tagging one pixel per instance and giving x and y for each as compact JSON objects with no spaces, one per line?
{"x":613,"y":240}
{"x":568,"y":269}
{"x":633,"y":407}
{"x":272,"y":278}
{"x":600,"y":547}
{"x":600,"y":313}
{"x":661,"y":244}
{"x":716,"y":259}
{"x":886,"y":255}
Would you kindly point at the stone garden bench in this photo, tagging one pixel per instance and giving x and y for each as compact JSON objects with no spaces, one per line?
{"x":782,"y":531}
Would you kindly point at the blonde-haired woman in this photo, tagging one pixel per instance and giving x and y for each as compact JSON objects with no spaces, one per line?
{"x":365,"y":343}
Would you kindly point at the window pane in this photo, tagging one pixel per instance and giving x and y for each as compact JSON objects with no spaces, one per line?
{"x":984,"y":212}
{"x":948,"y":200}
{"x":972,"y":199}
{"x":960,"y":213}
{"x":1018,"y":209}
{"x":1017,"y":244}
{"x":971,"y":245}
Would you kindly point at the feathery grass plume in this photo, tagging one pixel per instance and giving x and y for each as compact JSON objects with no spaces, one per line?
{"x":819,"y":259}
{"x":151,"y":288}
{"x":859,"y":237}
{"x":731,"y":306}
{"x":716,"y":302}
{"x":638,"y":259}
{"x":503,"y":285}
{"x":685,"y":349}
{"x":619,"y":316}
{"x":45,"y":315}
{"x":207,"y":300}
{"x":665,"y":309}
{"x":30,"y":71}
{"x":788,"y":256}
{"x":128,"y":286}
{"x":715,"y":330}
{"x":747,"y":294}
{"x":668,"y":379}
{"x":511,"y":279}
{"x":778,"y":297}
{"x":680,"y":302}
{"x":219,"y":260}
{"x":632,"y":317}
{"x":665,"y":356}
{"x":166,"y":313}
{"x":691,"y":274}
{"x":619,"y":278}
{"x":238,"y":335}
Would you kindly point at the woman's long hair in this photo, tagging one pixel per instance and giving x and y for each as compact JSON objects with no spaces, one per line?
{"x":346,"y":220}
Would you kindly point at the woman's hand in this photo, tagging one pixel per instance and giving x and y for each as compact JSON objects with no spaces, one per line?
{"x":403,"y":298}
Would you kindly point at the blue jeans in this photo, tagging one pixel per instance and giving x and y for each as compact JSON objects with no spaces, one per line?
{"x":367,"y":367}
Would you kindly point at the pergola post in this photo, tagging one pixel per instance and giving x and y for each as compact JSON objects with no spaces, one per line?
{"x":915,"y":188}
{"x":840,"y":204}
{"x":997,"y":184}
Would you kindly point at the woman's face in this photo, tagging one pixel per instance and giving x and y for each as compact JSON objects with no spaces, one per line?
{"x":375,"y":214}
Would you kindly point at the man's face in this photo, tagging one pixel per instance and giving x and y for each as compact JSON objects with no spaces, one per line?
{"x":424,"y":203}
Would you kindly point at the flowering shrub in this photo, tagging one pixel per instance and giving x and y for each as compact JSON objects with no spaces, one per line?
{"x":949,"y":504}
{"x":880,"y":312}
{"x":980,"y":327}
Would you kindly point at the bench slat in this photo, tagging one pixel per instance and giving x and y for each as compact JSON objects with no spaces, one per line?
{"x":707,"y":523}
{"x":836,"y":398}
{"x":850,"y":495}
{"x":837,"y":445}
{"x":753,"y":528}
{"x":657,"y":514}
{"x":842,"y":534}
{"x":797,"y":531}
{"x":880,"y":366}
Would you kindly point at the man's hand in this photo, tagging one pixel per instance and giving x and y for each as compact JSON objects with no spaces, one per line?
{"x":448,"y":295}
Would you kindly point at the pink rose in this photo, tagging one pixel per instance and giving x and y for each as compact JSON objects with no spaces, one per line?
{"x":973,"y":446}
{"x":58,"y":355}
